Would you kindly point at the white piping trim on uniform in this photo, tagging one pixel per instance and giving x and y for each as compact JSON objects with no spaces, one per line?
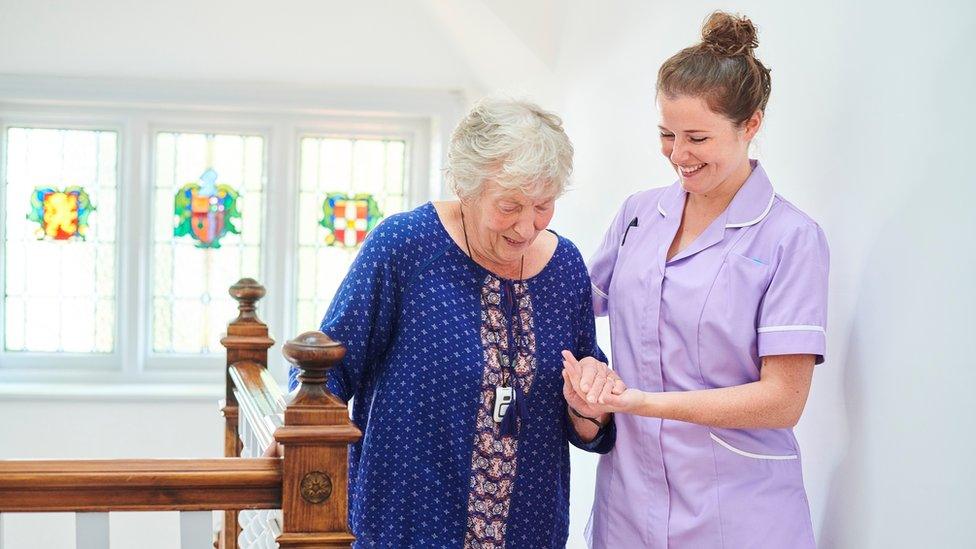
{"x":660,"y":209}
{"x":748,"y":454}
{"x":599,"y":291}
{"x":797,"y":328}
{"x":756,"y":220}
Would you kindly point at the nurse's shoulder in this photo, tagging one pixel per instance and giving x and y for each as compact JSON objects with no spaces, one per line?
{"x":639,"y":209}
{"x":785,"y":217}
{"x":787,"y":228}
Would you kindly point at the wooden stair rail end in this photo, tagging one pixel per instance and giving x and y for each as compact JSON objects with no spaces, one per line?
{"x":246,"y":340}
{"x":315,"y":437}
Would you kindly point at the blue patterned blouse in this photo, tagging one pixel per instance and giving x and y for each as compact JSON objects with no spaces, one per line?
{"x":429,"y":336}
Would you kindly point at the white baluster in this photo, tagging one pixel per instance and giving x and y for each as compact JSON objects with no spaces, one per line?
{"x":91,"y":530}
{"x":196,"y":530}
{"x":1,"y":530}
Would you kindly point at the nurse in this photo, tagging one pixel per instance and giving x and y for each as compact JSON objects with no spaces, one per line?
{"x":716,"y":289}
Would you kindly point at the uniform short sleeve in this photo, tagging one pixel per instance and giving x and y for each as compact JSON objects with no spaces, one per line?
{"x":793,"y":312}
{"x":602,"y":262}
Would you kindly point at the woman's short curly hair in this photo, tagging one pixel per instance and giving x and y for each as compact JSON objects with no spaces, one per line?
{"x":514,"y":143}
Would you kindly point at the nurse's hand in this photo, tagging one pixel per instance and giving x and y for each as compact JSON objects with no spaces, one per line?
{"x":628,"y":401}
{"x":616,"y":397}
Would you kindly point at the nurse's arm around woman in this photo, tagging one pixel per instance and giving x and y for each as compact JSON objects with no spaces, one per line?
{"x":716,"y":290}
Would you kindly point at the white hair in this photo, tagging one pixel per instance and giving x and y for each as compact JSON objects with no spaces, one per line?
{"x":514,"y":143}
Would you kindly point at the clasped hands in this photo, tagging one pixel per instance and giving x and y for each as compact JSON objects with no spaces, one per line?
{"x":592,"y":388}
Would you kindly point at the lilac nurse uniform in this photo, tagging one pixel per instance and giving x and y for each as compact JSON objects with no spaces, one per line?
{"x":753,"y":284}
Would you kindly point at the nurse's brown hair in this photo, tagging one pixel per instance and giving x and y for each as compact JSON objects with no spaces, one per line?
{"x":721,"y":69}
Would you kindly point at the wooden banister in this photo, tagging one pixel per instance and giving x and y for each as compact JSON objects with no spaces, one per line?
{"x":260,"y":404}
{"x":315,"y":436}
{"x":247,"y":340}
{"x":308,"y":483}
{"x":139,"y":485}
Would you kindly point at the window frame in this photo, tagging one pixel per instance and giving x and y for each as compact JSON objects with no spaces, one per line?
{"x":79,"y":364}
{"x":415,"y":152}
{"x":163,"y":363}
{"x":137,"y":111}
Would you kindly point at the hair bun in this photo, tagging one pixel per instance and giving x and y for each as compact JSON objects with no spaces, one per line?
{"x":729,"y":35}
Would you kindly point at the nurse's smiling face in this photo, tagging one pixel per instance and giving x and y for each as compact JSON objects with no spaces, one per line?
{"x":709,"y":152}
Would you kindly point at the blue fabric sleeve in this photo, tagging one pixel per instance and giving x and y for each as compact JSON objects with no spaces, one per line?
{"x":362,"y":314}
{"x":586,"y":345}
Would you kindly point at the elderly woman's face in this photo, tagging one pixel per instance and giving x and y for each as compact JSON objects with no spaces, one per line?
{"x":509,"y":221}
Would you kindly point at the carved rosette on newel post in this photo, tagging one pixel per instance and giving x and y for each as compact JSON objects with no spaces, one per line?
{"x":315,"y":436}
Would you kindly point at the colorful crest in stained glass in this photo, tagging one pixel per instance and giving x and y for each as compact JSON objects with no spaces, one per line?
{"x":61,"y":214}
{"x":206,"y":211}
{"x":349,"y":219}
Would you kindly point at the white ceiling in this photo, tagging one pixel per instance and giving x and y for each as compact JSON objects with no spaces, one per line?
{"x":471,"y":45}
{"x":359,"y":43}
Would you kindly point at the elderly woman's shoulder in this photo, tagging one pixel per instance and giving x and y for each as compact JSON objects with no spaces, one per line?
{"x":568,"y":253}
{"x":405,"y":230}
{"x":567,"y":268}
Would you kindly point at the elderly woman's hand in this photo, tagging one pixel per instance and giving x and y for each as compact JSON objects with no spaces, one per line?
{"x":597,"y":387}
{"x":575,"y":397}
{"x":274,"y":450}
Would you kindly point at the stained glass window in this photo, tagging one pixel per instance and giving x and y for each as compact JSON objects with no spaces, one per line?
{"x":359,"y":179}
{"x":208,"y":219}
{"x":59,"y":200}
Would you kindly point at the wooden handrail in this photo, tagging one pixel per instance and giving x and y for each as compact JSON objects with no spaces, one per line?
{"x":312,"y":426}
{"x":315,"y":436}
{"x":259,"y":399}
{"x":140,"y":485}
{"x":308,"y":483}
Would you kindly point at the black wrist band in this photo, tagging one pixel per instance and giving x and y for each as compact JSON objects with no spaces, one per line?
{"x":590,"y":419}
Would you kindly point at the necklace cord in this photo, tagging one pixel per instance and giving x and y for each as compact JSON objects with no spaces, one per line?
{"x":513,"y":308}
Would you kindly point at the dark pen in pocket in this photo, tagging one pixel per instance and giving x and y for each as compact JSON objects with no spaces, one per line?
{"x":633,"y":223}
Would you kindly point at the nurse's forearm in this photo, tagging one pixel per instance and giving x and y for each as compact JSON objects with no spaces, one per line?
{"x":743,"y":407}
{"x":775,"y":401}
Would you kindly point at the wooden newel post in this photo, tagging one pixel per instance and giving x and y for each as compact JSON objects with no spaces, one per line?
{"x":246,"y":340}
{"x":315,"y":436}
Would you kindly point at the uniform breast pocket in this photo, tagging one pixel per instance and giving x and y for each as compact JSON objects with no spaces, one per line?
{"x":742,"y":282}
{"x":728,"y":323}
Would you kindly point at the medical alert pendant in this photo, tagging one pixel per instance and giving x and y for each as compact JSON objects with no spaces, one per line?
{"x":504,"y":397}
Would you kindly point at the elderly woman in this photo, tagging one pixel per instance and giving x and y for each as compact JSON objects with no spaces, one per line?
{"x":454,"y":315}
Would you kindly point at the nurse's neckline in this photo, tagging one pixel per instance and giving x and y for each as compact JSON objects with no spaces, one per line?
{"x":750,"y":205}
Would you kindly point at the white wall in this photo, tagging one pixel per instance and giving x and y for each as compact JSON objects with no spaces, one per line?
{"x":867,"y":130}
